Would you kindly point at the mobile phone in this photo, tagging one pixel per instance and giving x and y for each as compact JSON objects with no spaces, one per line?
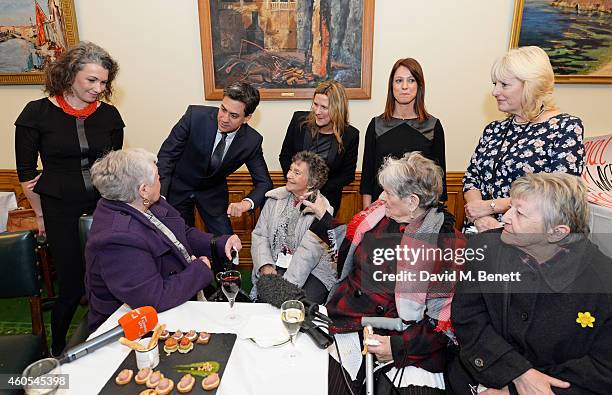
{"x":311,"y":198}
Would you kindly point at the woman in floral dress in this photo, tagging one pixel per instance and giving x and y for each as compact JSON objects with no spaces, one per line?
{"x":535,"y":137}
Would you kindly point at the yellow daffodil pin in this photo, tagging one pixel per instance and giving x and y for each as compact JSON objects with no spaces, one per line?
{"x":585,"y":319}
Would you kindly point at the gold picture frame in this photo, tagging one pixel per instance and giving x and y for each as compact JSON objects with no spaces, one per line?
{"x":563,"y":29}
{"x":50,"y":30}
{"x":285,"y":47}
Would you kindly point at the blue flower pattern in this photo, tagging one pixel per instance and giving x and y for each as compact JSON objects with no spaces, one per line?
{"x":507,"y":151}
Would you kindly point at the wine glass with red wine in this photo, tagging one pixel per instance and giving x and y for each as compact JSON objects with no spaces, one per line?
{"x":230,"y":285}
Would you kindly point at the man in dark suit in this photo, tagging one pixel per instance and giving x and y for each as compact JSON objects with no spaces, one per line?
{"x":204,"y":147}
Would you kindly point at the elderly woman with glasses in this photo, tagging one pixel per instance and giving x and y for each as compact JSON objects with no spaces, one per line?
{"x":536,"y":317}
{"x":377,"y":281}
{"x":281,"y":243}
{"x":139,"y":250}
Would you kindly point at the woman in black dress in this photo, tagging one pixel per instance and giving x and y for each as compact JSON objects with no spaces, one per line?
{"x":405,"y":126}
{"x":69,"y":129}
{"x":325,"y":130}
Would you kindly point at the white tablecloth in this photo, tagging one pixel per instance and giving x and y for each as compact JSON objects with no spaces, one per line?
{"x":250,"y":369}
{"x":7,"y":202}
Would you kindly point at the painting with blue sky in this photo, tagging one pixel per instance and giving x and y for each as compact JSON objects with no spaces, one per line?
{"x":33,"y":33}
{"x":576,"y":35}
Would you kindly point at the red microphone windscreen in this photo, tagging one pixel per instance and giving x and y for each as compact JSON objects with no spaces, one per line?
{"x":138,"y":322}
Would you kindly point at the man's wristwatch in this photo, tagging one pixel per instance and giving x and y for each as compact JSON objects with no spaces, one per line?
{"x":492,"y":205}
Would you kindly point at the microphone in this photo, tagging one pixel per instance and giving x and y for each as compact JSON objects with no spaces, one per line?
{"x":275,"y":290}
{"x":276,"y":287}
{"x":132,"y":325}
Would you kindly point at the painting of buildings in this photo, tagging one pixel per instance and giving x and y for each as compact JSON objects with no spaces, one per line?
{"x":32,"y":34}
{"x":286,"y":45}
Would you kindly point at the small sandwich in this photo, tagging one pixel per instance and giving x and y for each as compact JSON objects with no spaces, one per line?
{"x":170,"y":345}
{"x":142,"y":375}
{"x":154,"y":379}
{"x":186,"y":384}
{"x":164,"y":387}
{"x":124,"y":377}
{"x":178,"y":334}
{"x":164,"y":335}
{"x":211,"y":382}
{"x":191,"y":335}
{"x":185,"y":345}
{"x":203,"y":338}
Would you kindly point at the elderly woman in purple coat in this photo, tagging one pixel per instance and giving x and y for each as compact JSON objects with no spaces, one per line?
{"x":139,"y":250}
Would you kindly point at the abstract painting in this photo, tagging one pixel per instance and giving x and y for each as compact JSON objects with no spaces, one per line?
{"x":286,"y":47}
{"x":33,"y":33}
{"x":576,"y":35}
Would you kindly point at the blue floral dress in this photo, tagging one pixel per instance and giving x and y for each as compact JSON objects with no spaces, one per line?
{"x":507,"y":151}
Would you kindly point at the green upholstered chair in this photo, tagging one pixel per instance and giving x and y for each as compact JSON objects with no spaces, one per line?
{"x":19,"y":277}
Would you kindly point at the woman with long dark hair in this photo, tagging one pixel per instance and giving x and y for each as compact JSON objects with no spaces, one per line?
{"x":405,"y":126}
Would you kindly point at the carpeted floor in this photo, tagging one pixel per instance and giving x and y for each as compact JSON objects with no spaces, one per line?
{"x":15,"y":313}
{"x":15,"y":318}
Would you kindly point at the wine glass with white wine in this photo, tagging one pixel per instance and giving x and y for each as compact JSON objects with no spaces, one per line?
{"x":292,"y":315}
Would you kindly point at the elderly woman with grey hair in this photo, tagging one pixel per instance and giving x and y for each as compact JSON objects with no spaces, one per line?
{"x":536,"y":317}
{"x":281,"y":243}
{"x":374,"y":283}
{"x":139,"y":250}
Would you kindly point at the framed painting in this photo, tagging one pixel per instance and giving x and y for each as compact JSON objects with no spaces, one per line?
{"x":286,"y":47}
{"x":32,"y":34}
{"x":576,"y":35}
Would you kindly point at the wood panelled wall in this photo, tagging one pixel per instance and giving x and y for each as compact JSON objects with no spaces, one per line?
{"x":240,"y":184}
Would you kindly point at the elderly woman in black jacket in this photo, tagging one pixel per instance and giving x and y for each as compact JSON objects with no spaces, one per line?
{"x":536,"y":316}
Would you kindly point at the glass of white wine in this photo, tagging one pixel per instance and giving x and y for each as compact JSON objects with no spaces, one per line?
{"x":292,"y":315}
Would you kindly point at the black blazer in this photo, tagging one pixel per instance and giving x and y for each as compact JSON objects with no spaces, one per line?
{"x":341,"y":164}
{"x":539,"y":329}
{"x":184,"y":157}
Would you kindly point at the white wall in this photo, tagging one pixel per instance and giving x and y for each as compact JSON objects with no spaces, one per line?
{"x":157,"y":44}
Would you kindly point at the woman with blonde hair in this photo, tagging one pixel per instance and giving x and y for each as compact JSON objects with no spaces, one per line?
{"x":534,"y":137}
{"x":325,"y":130}
{"x":405,"y":126}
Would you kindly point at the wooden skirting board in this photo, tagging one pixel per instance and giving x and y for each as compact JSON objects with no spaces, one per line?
{"x":239,"y":184}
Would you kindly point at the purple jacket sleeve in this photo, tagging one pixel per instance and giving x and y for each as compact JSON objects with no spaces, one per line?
{"x":200,"y":242}
{"x":140,"y":282}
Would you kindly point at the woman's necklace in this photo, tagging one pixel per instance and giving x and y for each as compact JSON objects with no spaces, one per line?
{"x":80,"y":112}
{"x":404,"y":117}
{"x":514,"y":121}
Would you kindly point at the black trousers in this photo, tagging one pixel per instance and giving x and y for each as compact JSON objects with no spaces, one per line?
{"x":215,"y":224}
{"x":62,"y":227}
